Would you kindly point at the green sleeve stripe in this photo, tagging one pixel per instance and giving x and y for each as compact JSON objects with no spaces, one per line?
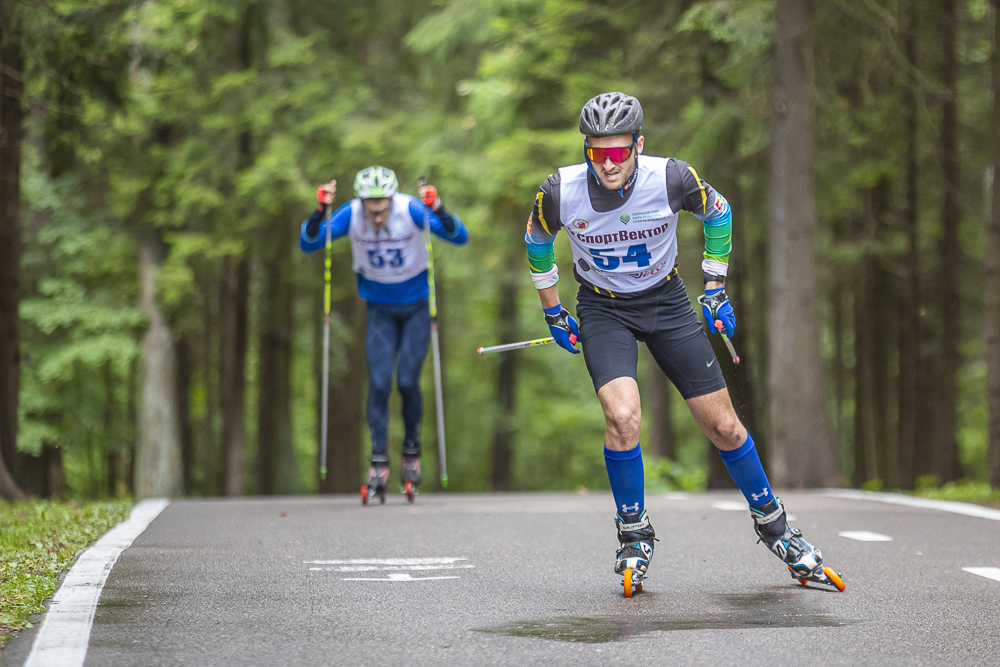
{"x":719,"y":240}
{"x":541,"y":258}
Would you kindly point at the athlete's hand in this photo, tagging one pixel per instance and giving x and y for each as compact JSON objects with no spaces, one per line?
{"x":715,"y":306}
{"x":326,"y":193}
{"x":429,"y":196}
{"x":563,"y":327}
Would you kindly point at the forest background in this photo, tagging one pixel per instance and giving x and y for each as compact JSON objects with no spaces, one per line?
{"x":160,"y":331}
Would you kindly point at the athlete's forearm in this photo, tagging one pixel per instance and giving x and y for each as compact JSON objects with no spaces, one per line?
{"x":718,"y":228}
{"x":312,"y":235}
{"x":549,"y":296}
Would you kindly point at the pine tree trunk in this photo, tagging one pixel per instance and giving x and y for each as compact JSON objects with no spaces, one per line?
{"x":11,"y":115}
{"x":158,"y":470}
{"x":946,"y":447}
{"x":909,"y":292}
{"x":992,"y":305}
{"x":276,"y":471}
{"x":182,"y":352}
{"x":801,"y":445}
{"x":233,"y":296}
{"x":210,"y":454}
{"x":508,"y":327}
{"x":657,"y":394}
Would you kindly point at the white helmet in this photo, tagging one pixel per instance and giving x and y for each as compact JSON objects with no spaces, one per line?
{"x":375,"y":183}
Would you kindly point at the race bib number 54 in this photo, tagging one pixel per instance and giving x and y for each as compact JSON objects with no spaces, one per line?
{"x":609,"y":262}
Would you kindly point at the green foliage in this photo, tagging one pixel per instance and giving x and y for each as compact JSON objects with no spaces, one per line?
{"x":211,"y":123}
{"x":664,"y":475}
{"x":965,"y":491}
{"x":38,"y":542}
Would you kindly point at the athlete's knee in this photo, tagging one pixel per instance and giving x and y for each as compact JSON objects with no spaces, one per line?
{"x":624,"y":419}
{"x":409,"y":385}
{"x":726,"y":431}
{"x":379,"y":387}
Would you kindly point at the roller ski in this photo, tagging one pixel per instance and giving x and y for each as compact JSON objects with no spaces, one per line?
{"x":803,"y":560}
{"x":378,"y":479}
{"x":636,"y":537}
{"x":410,"y":469}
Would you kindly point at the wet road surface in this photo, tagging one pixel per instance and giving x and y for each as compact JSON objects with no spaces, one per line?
{"x":525,"y":579}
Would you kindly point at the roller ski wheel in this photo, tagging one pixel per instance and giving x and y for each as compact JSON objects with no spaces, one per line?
{"x":409,"y":469}
{"x":636,"y":537}
{"x":632,"y":582}
{"x":378,"y":477}
{"x":827,"y":577}
{"x":802,"y":559}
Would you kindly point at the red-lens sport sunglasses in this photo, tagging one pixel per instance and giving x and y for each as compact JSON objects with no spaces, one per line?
{"x":618,"y":154}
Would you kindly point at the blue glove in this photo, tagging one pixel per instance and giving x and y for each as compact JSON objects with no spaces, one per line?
{"x":563,"y":327}
{"x":715,"y":305}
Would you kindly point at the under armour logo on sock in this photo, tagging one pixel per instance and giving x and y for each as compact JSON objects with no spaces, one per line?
{"x":763,"y":494}
{"x":628,"y":508}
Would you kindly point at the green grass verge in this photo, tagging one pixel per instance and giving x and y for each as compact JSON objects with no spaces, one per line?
{"x":38,"y":541}
{"x":967,"y":492}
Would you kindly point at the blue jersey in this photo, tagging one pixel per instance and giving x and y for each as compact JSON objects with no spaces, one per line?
{"x":377,"y":251}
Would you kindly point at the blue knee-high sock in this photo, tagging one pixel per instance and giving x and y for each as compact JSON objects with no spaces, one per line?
{"x":744,"y":467}
{"x":626,"y":475}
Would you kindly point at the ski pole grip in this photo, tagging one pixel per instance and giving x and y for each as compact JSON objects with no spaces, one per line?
{"x":572,"y":339}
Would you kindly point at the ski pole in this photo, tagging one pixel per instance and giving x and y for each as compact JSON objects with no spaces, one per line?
{"x":507,"y":347}
{"x":729,"y":344}
{"x":435,"y":345}
{"x":325,"y":408}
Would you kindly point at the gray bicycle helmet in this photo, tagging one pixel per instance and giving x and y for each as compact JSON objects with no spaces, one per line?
{"x":375,"y":182}
{"x":609,"y":114}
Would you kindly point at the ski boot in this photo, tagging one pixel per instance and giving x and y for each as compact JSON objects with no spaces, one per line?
{"x":410,"y":468}
{"x":636,"y":537}
{"x":378,"y":478}
{"x":802,"y":559}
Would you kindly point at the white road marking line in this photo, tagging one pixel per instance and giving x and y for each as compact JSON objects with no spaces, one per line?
{"x":730,"y":506}
{"x":864,"y":536}
{"x":988,"y":572}
{"x":401,"y":576}
{"x":63,"y":639}
{"x":447,"y":560}
{"x":968,"y":509}
{"x":377,"y":568}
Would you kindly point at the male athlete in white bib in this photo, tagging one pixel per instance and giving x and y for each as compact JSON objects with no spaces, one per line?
{"x":390,"y":257}
{"x":620,"y":213}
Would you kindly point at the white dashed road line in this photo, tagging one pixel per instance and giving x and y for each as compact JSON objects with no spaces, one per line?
{"x":730,"y":506}
{"x":391,"y":566}
{"x":400,"y":576}
{"x":864,"y":536}
{"x":65,"y":633}
{"x":988,"y":572}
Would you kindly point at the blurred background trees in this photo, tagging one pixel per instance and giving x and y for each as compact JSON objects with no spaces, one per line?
{"x":160,"y":330}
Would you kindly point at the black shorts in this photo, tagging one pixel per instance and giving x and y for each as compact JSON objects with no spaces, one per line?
{"x":665,"y":321}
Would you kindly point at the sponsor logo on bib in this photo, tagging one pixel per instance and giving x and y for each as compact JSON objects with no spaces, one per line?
{"x":647,"y":216}
{"x":624,"y":218}
{"x":580,"y":223}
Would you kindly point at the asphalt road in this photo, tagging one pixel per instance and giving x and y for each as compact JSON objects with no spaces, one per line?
{"x":527,"y":580}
